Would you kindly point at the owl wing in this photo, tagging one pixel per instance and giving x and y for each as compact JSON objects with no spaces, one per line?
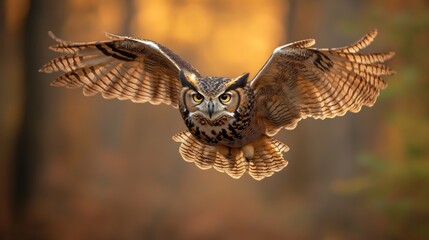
{"x":122,"y":67}
{"x":299,"y":82}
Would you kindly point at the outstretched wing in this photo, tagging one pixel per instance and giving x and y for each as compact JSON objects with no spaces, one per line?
{"x":123,"y":67}
{"x":299,"y":82}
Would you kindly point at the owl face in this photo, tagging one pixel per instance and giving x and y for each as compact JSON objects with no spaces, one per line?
{"x":211,"y":98}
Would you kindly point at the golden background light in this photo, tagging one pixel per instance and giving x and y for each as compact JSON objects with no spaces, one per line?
{"x":74,"y":167}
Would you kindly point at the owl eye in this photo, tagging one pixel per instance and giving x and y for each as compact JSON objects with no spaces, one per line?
{"x":224,"y":98}
{"x":197,"y":97}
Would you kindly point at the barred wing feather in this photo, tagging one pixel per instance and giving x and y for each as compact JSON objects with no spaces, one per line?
{"x":299,"y":82}
{"x":123,"y":67}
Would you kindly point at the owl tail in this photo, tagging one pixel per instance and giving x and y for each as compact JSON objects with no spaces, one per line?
{"x":261,"y":159}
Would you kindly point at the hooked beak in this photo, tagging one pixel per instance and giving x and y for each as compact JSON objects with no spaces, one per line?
{"x":211,"y":108}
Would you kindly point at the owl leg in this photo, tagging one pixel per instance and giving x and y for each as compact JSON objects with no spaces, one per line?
{"x":227,"y":151}
{"x":248,"y":151}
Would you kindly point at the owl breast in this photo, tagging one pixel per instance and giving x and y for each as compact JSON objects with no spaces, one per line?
{"x":234,"y":130}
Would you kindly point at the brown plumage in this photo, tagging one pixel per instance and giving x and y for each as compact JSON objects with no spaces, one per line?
{"x":230,"y":120}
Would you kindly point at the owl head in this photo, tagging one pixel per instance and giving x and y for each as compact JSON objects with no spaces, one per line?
{"x":211,"y":97}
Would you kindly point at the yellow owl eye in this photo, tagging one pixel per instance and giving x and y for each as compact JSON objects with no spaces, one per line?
{"x":197,"y":97}
{"x":224,"y":98}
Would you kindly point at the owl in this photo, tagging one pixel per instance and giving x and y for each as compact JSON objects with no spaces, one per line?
{"x":231,"y":121}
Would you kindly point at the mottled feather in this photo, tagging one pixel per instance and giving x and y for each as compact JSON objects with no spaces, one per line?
{"x":124,"y":68}
{"x":299,"y":82}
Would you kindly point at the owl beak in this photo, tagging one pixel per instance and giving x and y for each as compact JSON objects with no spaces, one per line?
{"x":211,"y":108}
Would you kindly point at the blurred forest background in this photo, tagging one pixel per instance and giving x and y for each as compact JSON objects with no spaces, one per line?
{"x":73,"y":167}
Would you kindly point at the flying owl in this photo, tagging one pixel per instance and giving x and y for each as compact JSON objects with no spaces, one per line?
{"x":230,"y":121}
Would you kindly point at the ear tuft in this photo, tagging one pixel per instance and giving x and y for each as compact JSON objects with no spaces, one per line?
{"x":187,"y":79}
{"x":239,"y":82}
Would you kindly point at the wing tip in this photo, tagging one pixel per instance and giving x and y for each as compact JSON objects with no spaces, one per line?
{"x":389,"y":55}
{"x":60,"y":43}
{"x":306,"y":43}
{"x":113,"y":36}
{"x":55,"y":84}
{"x":47,"y":68}
{"x":360,"y":44}
{"x":52,"y":35}
{"x":55,"y":38}
{"x":373,"y":33}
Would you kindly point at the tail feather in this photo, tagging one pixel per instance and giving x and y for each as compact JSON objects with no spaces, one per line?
{"x":205,"y":156}
{"x":267,"y":158}
{"x":193,"y":151}
{"x":234,"y":164}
